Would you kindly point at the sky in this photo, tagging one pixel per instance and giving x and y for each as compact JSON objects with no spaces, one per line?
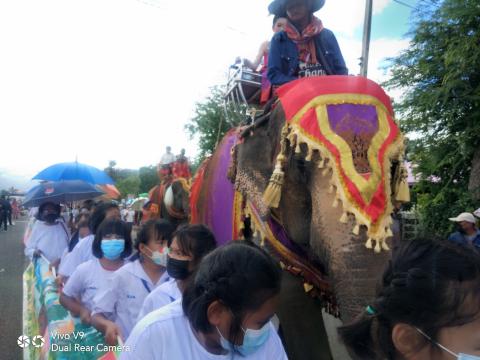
{"x":100,"y":80}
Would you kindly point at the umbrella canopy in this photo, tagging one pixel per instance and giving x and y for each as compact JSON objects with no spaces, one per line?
{"x":74,"y":171}
{"x":137,"y":204}
{"x":61,"y":192}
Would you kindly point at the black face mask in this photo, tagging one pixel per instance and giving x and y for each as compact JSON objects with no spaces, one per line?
{"x":178,"y":269}
{"x":50,"y":218}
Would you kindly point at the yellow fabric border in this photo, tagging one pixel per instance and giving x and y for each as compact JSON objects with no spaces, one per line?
{"x":379,"y":230}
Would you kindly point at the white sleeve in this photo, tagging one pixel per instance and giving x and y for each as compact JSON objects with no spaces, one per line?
{"x":105,"y":301}
{"x":155,"y":300}
{"x":140,"y":346}
{"x":74,"y":258}
{"x":32,"y":242}
{"x":75,"y":284}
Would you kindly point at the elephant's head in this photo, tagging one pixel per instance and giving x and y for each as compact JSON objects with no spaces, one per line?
{"x":307,"y":214}
{"x":176,"y":204}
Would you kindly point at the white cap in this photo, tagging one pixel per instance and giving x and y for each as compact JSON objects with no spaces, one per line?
{"x":477,"y":213}
{"x":468,"y":217}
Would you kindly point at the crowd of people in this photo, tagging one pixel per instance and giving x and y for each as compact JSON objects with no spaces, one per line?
{"x":9,"y":211}
{"x":174,"y":294}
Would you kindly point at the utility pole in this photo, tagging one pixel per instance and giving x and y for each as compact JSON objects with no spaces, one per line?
{"x":367,"y":28}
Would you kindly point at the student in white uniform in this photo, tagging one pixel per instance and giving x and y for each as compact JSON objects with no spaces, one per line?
{"x":189,"y":245}
{"x":50,"y":236}
{"x":225,"y":312}
{"x":93,"y":276}
{"x":82,"y":252}
{"x":116,"y":308}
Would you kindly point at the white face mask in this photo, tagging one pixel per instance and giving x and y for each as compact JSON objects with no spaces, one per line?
{"x":159,"y":258}
{"x":459,"y":356}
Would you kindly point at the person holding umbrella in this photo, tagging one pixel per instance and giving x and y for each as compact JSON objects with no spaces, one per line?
{"x":49,"y":237}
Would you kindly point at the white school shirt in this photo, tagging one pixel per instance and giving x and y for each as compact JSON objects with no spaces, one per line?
{"x":81,"y":253}
{"x":122,"y":299}
{"x":166,"y":334}
{"x":51,"y":240}
{"x":163,"y":295}
{"x":87,"y":281}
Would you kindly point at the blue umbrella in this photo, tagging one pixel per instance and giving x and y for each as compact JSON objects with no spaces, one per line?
{"x":74,"y":171}
{"x":60,"y":192}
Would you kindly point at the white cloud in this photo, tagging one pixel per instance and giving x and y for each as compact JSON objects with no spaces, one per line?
{"x":118,"y":79}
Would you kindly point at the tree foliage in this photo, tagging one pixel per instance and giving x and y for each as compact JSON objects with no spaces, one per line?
{"x":148,"y":178}
{"x":210,"y":123}
{"x":440,"y":74}
{"x":129,"y":186}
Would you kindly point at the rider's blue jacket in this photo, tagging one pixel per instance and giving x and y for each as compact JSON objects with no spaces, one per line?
{"x":283,"y":57}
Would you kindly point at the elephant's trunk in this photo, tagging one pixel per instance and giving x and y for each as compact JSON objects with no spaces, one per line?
{"x":353,"y":269}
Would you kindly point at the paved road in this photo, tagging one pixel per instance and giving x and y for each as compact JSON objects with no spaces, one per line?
{"x":12,"y":264}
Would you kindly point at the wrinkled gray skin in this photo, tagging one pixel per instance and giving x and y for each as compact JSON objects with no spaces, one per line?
{"x":181,"y":202}
{"x":311,"y":221}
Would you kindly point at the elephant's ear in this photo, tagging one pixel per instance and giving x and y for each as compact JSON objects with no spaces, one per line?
{"x":255,"y":159}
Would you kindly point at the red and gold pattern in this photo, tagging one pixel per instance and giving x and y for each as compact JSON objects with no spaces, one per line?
{"x":349,"y":121}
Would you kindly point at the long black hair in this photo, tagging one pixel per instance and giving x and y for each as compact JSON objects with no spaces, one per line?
{"x":239,"y":275}
{"x":428,"y":284}
{"x":195,"y":240}
{"x":99,"y":215}
{"x":159,"y":229}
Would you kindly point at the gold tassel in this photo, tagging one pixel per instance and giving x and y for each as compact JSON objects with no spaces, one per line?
{"x":385,"y":246}
{"x":356,"y":229}
{"x":297,"y":148}
{"x":273,"y":192}
{"x":321,"y":163}
{"x":401,"y":191}
{"x":326,"y":171}
{"x":344,"y":218}
{"x":335,"y":203}
{"x":368,"y":244}
{"x":331,"y":189}
{"x":389,"y":232}
{"x":307,"y":287}
{"x":309,"y":154}
{"x":378,"y":249}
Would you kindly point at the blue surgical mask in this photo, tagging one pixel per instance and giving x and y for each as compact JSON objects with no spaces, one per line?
{"x":253,"y":340}
{"x":112,"y":249}
{"x":459,"y":356}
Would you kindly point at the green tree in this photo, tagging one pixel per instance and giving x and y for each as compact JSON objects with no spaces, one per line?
{"x":440,"y":75}
{"x":148,"y":178}
{"x":129,"y":185}
{"x":210,"y":123}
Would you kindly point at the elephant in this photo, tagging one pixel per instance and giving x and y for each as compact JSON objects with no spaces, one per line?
{"x":306,"y":213}
{"x":171,"y":201}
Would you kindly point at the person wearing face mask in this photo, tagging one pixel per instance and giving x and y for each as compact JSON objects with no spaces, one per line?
{"x":82,"y":252}
{"x":49,"y":237}
{"x":111,"y":246}
{"x":189,"y":245}
{"x":305,"y":48}
{"x":427,"y":306}
{"x":116,"y":308}
{"x":225,"y":312}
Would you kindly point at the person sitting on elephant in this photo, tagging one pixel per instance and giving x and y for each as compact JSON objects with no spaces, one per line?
{"x":427,"y":307}
{"x":181,"y":166}
{"x":305,"y":48}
